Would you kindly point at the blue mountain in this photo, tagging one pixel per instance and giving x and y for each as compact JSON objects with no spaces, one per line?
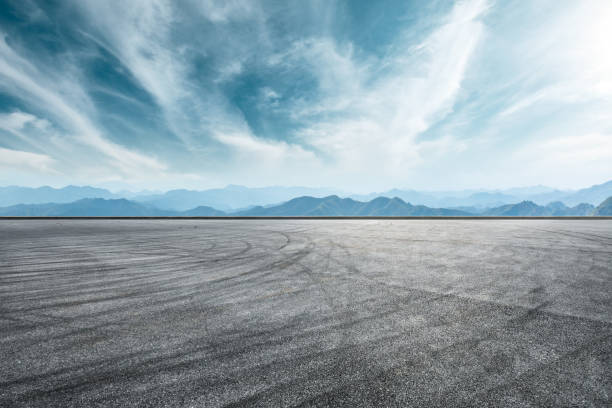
{"x":605,"y":208}
{"x":229,"y":198}
{"x":13,"y":195}
{"x":99,"y":207}
{"x":531,"y":209}
{"x":336,"y":206}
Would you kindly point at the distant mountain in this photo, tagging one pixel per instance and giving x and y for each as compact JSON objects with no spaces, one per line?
{"x":560,"y":209}
{"x":605,"y":208}
{"x":91,"y":207}
{"x":524,"y":208}
{"x":464,"y":198}
{"x":99,"y":207}
{"x":301,"y":206}
{"x":540,"y":195}
{"x":529,"y":191}
{"x":531,"y":209}
{"x":13,"y":195}
{"x":228,"y":198}
{"x":593,"y":195}
{"x":234,"y":198}
{"x":336,"y":206}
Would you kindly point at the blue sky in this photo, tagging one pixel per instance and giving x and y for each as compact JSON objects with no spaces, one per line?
{"x":358,"y":95}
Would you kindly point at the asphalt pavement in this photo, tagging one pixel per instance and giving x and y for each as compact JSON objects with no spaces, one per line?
{"x":271,"y":313}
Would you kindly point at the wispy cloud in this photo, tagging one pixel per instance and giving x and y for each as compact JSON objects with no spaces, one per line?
{"x":205,"y":93}
{"x":17,"y":121}
{"x":15,"y":159}
{"x":66,"y":103}
{"x":378,"y":117}
{"x":141,"y":37}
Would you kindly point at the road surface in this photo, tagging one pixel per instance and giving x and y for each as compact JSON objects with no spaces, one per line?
{"x":209,"y":313}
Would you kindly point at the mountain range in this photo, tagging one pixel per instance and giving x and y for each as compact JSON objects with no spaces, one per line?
{"x":605,"y":208}
{"x":540,"y":195}
{"x":531,"y":209}
{"x":13,"y":195}
{"x":301,"y":206}
{"x":236,"y":198}
{"x":100,"y":207}
{"x":229,"y":198}
{"x":336,"y":206}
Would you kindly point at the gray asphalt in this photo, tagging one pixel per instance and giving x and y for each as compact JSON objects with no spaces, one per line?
{"x":305,"y":313}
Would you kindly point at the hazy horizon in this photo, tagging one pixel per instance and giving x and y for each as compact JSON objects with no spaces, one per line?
{"x":337,"y":189}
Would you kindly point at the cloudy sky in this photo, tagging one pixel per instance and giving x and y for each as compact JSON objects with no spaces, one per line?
{"x":360,"y":95}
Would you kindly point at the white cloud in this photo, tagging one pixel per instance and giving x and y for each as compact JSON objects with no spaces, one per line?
{"x":378,"y":118}
{"x":140,"y":36}
{"x":15,"y":159}
{"x":269,"y":94}
{"x":264,"y":152}
{"x":222,"y":11}
{"x":477,"y":87}
{"x":340,"y":78}
{"x":372,"y":119}
{"x":562,"y":60}
{"x":17,"y":121}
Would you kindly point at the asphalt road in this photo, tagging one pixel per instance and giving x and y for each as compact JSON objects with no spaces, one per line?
{"x":305,"y":313}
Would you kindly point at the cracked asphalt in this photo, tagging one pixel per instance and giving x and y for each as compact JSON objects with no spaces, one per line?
{"x":208,"y":313}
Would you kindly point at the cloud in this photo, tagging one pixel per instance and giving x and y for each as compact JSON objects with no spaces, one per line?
{"x":17,"y":121}
{"x":266,"y":153}
{"x":15,"y":159}
{"x":67,"y":104}
{"x":142,"y":38}
{"x":378,"y":117}
{"x":565,"y":61}
{"x":222,"y":11}
{"x":334,"y":93}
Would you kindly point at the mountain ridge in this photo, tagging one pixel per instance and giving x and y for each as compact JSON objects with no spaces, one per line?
{"x":94,"y":207}
{"x":605,"y":208}
{"x":233,"y":198}
{"x":529,"y":208}
{"x":300,"y":206}
{"x":336,"y":206}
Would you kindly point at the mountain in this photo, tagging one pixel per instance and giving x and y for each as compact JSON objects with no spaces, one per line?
{"x":524,"y":208}
{"x":99,"y":207}
{"x":483,"y":199}
{"x":232,"y":198}
{"x":228,"y":198}
{"x":605,"y":208}
{"x":301,"y":206}
{"x":92,"y":207}
{"x":13,"y":195}
{"x":336,"y":206}
{"x":531,"y":209}
{"x":446,"y":199}
{"x":529,"y":191}
{"x":594,"y":194}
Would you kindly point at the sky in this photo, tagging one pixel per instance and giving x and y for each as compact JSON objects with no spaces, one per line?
{"x":358,"y":95}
